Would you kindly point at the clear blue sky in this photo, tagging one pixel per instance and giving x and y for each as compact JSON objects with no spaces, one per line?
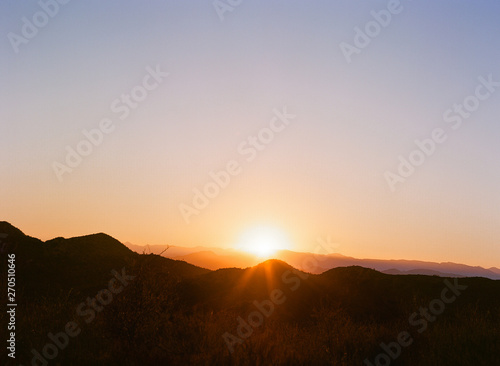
{"x":323,"y":174}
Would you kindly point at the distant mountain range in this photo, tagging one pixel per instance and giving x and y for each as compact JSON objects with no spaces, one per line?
{"x":216,"y":258}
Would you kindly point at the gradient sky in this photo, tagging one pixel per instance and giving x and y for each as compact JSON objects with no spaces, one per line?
{"x":322,"y":175}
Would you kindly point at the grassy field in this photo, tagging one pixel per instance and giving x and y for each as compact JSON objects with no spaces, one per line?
{"x":171,"y":313}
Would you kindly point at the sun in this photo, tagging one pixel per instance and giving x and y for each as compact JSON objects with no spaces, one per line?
{"x":263,"y":241}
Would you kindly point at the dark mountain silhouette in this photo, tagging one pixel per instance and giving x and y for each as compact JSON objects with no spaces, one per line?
{"x":427,"y":272}
{"x":10,"y":230}
{"x":77,"y":263}
{"x":175,"y":313}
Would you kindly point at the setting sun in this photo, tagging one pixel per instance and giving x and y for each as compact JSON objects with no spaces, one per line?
{"x":263,"y":241}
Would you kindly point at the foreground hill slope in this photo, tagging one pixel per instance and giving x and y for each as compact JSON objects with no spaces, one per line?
{"x":171,"y":312}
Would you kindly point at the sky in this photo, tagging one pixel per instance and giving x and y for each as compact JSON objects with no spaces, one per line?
{"x":305,"y":112}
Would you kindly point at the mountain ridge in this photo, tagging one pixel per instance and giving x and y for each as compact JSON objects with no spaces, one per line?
{"x":104,"y":245}
{"x":199,"y":256}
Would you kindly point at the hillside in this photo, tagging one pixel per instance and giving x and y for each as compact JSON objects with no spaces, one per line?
{"x":81,"y":263}
{"x":171,"y":312}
